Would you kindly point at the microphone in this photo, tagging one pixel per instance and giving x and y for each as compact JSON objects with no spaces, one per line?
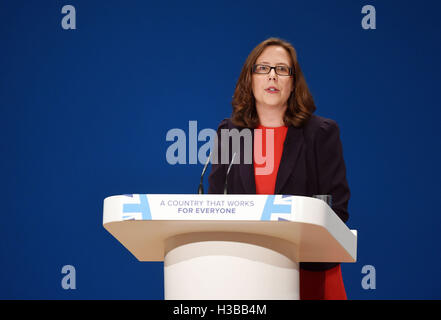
{"x":201,"y":185}
{"x":228,"y":171}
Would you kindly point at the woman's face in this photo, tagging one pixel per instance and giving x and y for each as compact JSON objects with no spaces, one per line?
{"x":272,"y":90}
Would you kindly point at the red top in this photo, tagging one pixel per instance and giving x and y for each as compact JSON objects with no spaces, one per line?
{"x":315,"y":285}
{"x":264,"y":176}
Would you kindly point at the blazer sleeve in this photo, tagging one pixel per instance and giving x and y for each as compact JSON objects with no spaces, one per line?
{"x":331,"y":168}
{"x":216,"y":179}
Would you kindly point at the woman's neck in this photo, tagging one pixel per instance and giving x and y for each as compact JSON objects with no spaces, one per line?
{"x":271,"y":116}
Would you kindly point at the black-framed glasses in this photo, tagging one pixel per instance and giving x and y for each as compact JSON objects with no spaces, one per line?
{"x":265,"y":69}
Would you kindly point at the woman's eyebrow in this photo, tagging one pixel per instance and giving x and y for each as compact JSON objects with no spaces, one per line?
{"x":266,"y":62}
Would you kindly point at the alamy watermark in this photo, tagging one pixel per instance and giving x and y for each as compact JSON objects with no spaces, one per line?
{"x":222,"y":147}
{"x":68,"y":281}
{"x":369,"y":20}
{"x":69,"y":21}
{"x":369,"y":281}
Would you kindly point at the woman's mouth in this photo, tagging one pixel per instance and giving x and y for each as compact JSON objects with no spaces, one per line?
{"x":272,"y":90}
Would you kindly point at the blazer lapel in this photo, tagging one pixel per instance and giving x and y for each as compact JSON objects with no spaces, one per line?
{"x":246,"y":171}
{"x":291,"y":150}
{"x":247,"y":176}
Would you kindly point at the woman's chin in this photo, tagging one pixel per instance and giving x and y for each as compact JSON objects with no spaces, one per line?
{"x":273,"y":104}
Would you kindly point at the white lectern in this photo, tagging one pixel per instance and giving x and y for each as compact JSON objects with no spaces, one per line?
{"x":229,"y":246}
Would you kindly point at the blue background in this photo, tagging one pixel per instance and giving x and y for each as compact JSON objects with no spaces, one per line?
{"x":85,"y":112}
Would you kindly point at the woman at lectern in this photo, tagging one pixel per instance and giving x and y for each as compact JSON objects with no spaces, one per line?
{"x":307,"y":157}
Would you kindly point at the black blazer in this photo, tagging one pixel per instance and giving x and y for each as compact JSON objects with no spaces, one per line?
{"x":312,"y":163}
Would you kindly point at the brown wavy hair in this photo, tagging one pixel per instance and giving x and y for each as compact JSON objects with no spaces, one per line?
{"x":300,"y":103}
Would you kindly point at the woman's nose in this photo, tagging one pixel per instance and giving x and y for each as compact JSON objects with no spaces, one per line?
{"x":272,"y":74}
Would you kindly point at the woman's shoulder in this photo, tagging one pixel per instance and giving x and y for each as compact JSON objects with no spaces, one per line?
{"x":314,"y":125}
{"x":227,"y":123}
{"x":319,"y":125}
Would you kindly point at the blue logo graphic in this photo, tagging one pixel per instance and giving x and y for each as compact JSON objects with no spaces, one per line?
{"x":271,"y":207}
{"x":142,"y":206}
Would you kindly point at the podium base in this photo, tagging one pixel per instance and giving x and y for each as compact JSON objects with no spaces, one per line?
{"x":230,"y":266}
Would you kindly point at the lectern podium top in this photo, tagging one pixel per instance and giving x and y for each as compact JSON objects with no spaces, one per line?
{"x":144,"y":222}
